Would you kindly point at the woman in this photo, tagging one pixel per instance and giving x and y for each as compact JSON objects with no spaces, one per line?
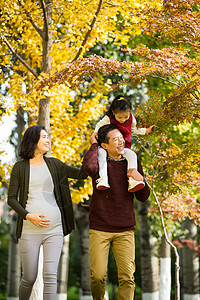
{"x":39,"y":193}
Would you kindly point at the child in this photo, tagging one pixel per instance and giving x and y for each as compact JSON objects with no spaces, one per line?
{"x":119,"y":114}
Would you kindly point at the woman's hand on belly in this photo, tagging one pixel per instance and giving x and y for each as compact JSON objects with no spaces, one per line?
{"x":38,"y":220}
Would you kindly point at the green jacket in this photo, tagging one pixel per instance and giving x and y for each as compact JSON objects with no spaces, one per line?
{"x":19,"y":186}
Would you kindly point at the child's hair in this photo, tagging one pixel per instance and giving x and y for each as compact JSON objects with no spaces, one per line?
{"x":119,"y":104}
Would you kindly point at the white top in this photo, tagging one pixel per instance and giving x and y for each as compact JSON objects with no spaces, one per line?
{"x":134,"y":129}
{"x":41,"y":200}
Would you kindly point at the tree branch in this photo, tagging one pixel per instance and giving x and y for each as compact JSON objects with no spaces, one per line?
{"x":187,"y":42}
{"x":45,"y":16}
{"x":195,"y":96}
{"x":177,"y":266}
{"x":165,"y":79}
{"x":30,"y":19}
{"x":58,"y":21}
{"x":18,"y":56}
{"x":89,"y":31}
{"x":56,"y":41}
{"x":111,"y":3}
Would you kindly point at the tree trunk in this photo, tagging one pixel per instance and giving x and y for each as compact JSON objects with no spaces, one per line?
{"x":44,"y":111}
{"x":47,"y":41}
{"x":190,"y":265}
{"x":165,"y":270}
{"x":149,"y":256}
{"x":14,"y":264}
{"x":82,"y":221}
{"x":20,"y":126}
{"x":63,"y":271}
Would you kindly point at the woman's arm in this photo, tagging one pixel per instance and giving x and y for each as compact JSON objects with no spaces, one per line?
{"x":63,"y":169}
{"x":75,"y":173}
{"x":13,"y":192}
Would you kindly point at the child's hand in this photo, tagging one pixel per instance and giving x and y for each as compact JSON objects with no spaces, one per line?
{"x":150,"y":129}
{"x":94,"y":137}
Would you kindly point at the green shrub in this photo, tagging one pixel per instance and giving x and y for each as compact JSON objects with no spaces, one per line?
{"x":73,"y":293}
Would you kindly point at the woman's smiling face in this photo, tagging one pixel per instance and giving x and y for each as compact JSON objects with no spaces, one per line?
{"x":43,"y":143}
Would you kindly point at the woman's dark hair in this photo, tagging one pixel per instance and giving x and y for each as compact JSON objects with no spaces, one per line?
{"x":29,"y":141}
{"x":103,"y":133}
{"x":119,"y":104}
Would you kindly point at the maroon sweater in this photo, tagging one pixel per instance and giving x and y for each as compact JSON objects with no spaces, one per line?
{"x":125,"y":129}
{"x":112,"y":210}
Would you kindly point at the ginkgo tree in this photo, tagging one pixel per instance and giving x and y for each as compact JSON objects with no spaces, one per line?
{"x":39,"y":37}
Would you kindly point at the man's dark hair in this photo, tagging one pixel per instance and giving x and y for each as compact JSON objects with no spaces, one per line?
{"x":103,"y":133}
{"x":29,"y":141}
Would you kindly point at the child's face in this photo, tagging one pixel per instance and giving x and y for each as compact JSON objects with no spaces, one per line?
{"x":122,"y":116}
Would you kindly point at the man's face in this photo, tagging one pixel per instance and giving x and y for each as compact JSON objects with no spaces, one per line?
{"x":115,"y":146}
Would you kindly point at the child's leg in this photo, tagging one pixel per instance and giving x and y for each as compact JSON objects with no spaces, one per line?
{"x":102,"y":182}
{"x":135,"y":184}
{"x":102,"y":160}
{"x":131,"y":158}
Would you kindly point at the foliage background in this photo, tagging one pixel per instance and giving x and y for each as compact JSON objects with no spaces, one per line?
{"x":147,"y":50}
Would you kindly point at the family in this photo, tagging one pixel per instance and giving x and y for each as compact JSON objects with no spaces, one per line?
{"x":39,"y":194}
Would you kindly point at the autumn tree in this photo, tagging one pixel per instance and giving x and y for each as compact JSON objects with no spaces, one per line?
{"x":58,"y":34}
{"x":172,"y":158}
{"x":176,"y":111}
{"x":38,"y":37}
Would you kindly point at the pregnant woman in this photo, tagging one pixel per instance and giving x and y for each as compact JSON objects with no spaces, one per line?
{"x":39,"y":193}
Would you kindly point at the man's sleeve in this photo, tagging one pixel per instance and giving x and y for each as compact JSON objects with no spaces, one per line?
{"x":143,"y":194}
{"x":90,"y":162}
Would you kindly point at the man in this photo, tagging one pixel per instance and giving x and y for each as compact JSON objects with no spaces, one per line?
{"x":112,"y":218}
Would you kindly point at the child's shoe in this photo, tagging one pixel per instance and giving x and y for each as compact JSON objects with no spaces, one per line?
{"x":102,"y":183}
{"x":134,"y":185}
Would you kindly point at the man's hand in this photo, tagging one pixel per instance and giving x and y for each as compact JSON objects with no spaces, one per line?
{"x":135,"y":174}
{"x":37,"y":220}
{"x":93,"y":138}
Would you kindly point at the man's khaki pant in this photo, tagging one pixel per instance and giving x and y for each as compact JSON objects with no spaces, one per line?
{"x":123,"y":245}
